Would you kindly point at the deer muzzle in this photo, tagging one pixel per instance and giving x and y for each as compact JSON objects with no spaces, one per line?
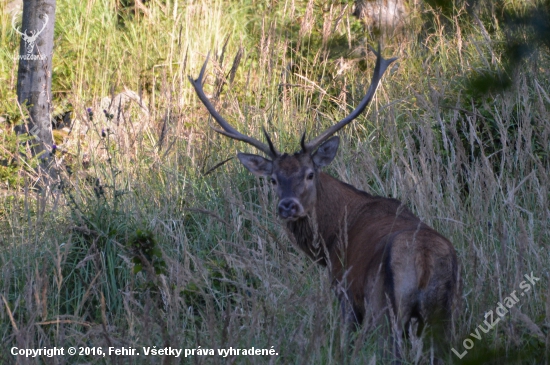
{"x":290,"y":208}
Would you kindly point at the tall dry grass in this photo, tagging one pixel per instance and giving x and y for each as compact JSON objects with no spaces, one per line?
{"x":144,"y":244}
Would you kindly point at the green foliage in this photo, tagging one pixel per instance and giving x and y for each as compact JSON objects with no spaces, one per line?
{"x":97,"y":235}
{"x":145,"y":252}
{"x":523,"y":33}
{"x":222,"y":285}
{"x":8,"y":173}
{"x":15,"y":161}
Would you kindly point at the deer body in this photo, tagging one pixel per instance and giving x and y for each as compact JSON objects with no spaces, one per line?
{"x":383,"y":260}
{"x":378,"y":251}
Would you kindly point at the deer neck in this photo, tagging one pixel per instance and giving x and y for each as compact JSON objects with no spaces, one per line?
{"x":321,"y":233}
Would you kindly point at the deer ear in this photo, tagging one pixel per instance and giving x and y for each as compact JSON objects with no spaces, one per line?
{"x":257,"y":165}
{"x":326,"y":152}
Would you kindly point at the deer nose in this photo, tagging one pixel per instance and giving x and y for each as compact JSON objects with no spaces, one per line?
{"x":288,"y":208}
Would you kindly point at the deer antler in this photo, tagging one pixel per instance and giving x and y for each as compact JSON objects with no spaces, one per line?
{"x":227,"y":129}
{"x":381,"y":66}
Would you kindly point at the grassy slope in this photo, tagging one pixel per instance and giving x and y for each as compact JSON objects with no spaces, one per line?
{"x":474,"y":168}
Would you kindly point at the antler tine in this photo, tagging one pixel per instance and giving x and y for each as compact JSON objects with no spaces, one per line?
{"x":227,"y":130}
{"x":381,"y":66}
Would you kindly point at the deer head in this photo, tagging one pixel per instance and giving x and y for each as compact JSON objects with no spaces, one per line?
{"x":295,"y":177}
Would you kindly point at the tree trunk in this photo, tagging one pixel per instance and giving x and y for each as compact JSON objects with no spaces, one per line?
{"x":34,"y":78}
{"x":381,"y":15}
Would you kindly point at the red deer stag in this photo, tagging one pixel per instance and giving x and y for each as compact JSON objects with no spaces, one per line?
{"x":382,"y":258}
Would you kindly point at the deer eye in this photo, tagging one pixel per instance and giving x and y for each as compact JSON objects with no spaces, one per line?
{"x":310,"y":176}
{"x":273,"y":181}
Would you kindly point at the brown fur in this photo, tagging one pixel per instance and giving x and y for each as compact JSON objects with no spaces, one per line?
{"x":376,"y":249}
{"x":384,"y":261}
